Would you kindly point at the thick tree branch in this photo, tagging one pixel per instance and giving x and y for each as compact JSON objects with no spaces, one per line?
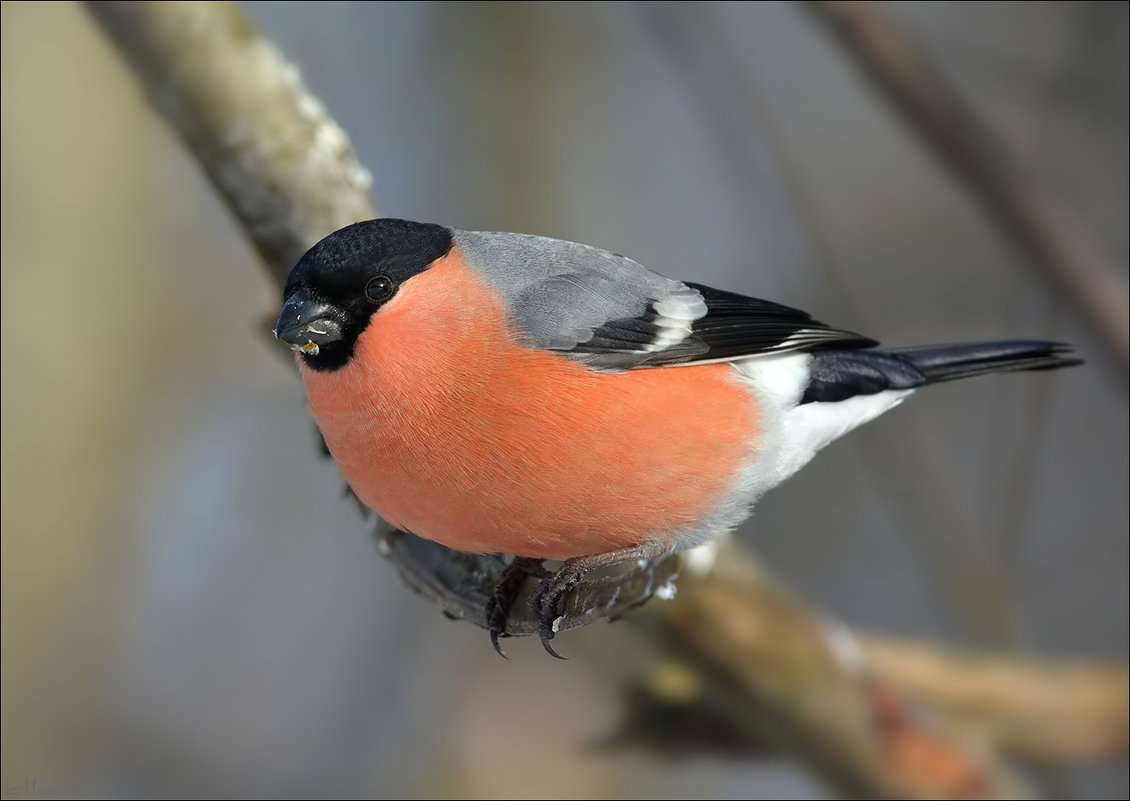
{"x":743,"y":625}
{"x":290,"y":175}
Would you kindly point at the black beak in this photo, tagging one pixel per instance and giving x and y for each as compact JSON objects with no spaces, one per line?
{"x":307,"y":324}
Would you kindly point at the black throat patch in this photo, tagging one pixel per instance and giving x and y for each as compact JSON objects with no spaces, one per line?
{"x":359,"y":268}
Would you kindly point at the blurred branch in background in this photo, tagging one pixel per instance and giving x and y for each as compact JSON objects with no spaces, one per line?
{"x":1048,"y":712}
{"x":1047,"y":234}
{"x":793,"y":680}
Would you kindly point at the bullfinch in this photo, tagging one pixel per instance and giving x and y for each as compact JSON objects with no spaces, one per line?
{"x":508,"y":393}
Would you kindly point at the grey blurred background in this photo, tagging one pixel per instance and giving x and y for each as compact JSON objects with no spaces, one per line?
{"x":190,"y":606}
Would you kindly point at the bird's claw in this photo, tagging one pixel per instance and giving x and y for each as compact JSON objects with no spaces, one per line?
{"x":497,"y":613}
{"x":543,"y":603}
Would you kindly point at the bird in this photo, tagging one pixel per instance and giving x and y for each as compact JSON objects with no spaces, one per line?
{"x":516,"y":394}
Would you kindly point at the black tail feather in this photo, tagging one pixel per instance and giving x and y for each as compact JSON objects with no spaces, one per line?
{"x":841,"y":374}
{"x":947,"y":362}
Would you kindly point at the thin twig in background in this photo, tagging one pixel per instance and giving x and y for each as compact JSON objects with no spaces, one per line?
{"x":287,"y":171}
{"x":1046,"y":234}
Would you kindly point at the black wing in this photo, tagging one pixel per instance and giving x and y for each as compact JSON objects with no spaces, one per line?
{"x":733,"y":327}
{"x":737,"y":326}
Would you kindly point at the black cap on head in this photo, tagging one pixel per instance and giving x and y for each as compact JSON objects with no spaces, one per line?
{"x":336,"y":286}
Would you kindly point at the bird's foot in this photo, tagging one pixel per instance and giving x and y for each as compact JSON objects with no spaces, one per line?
{"x":545,"y":599}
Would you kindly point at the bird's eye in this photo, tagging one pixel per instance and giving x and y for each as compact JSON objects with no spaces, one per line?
{"x":380,"y":288}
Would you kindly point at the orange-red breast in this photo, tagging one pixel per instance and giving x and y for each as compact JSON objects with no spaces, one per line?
{"x":500,"y":392}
